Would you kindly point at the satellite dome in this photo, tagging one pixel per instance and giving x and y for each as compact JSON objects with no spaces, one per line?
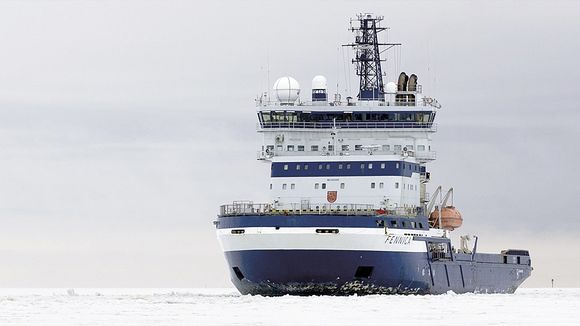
{"x":286,"y":89}
{"x":319,"y":82}
{"x":391,"y":88}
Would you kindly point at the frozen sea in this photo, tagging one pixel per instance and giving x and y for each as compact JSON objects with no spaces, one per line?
{"x":228,"y":307}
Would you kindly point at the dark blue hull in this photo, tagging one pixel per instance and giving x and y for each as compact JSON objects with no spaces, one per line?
{"x":333,"y":272}
{"x":347,"y":272}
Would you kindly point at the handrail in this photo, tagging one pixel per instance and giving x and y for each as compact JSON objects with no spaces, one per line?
{"x":419,"y":155}
{"x":250,"y":208}
{"x":349,"y":124}
{"x":401,"y":101}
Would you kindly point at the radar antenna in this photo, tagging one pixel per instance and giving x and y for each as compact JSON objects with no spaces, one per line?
{"x":368,"y":56}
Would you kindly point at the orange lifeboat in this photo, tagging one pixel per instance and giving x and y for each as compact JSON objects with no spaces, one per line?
{"x":451,"y":218}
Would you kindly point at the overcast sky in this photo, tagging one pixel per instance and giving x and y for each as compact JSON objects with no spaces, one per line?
{"x":125,"y":124}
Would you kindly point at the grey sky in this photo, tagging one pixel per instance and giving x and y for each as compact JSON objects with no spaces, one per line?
{"x":124,"y":125}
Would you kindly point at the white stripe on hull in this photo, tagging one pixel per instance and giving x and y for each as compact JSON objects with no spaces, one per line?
{"x":363,"y":239}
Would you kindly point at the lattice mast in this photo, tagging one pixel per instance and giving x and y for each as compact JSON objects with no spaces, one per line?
{"x":368,"y":56}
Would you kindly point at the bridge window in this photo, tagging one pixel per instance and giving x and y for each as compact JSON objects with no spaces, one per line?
{"x":330,"y":148}
{"x":358,"y":147}
{"x":420,"y":148}
{"x":279,"y":148}
{"x":422,"y":117}
{"x":409,"y":147}
{"x":324,"y":186}
{"x":387,"y":148}
{"x":301,"y":148}
{"x":345,"y":148}
{"x":266,"y":116}
{"x":398,"y":148}
{"x":314,"y":148}
{"x":326,"y":119}
{"x":290,"y":148}
{"x":270,"y":148}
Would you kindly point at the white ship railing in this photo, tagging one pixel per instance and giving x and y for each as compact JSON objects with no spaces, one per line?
{"x":419,"y":155}
{"x":423,"y":101}
{"x":349,"y":124}
{"x":250,"y":208}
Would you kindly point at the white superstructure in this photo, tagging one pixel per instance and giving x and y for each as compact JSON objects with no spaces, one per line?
{"x":367,"y":152}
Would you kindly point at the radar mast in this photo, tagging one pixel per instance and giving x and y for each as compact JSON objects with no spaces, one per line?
{"x":368,"y":56}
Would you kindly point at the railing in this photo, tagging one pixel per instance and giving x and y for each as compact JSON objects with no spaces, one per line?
{"x":419,"y":155}
{"x":424,"y":101}
{"x":349,"y":124}
{"x":266,"y":102}
{"x":250,"y":208}
{"x":425,"y":155}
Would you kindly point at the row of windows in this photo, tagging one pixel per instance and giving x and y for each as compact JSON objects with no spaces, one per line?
{"x":404,"y":224}
{"x":332,"y":117}
{"x":344,"y":148}
{"x":348,"y":166}
{"x":381,"y":185}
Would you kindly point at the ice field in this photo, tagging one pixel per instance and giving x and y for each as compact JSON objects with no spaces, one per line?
{"x":228,"y":307}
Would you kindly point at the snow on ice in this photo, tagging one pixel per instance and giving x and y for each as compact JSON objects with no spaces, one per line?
{"x":227,"y":307}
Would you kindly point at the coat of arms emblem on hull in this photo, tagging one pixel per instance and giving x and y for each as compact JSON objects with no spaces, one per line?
{"x":331,"y":196}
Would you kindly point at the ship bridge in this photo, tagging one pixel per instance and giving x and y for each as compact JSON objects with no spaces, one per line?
{"x":320,"y":128}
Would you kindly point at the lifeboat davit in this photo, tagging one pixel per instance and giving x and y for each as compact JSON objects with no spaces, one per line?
{"x":451,"y":218}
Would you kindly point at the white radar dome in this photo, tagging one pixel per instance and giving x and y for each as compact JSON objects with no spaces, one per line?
{"x":391,"y":88}
{"x":319,"y":82}
{"x":286,"y":89}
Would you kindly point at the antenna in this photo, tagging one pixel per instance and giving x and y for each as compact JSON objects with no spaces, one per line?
{"x":337,"y":70}
{"x":268,"y":69}
{"x":368,"y":56}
